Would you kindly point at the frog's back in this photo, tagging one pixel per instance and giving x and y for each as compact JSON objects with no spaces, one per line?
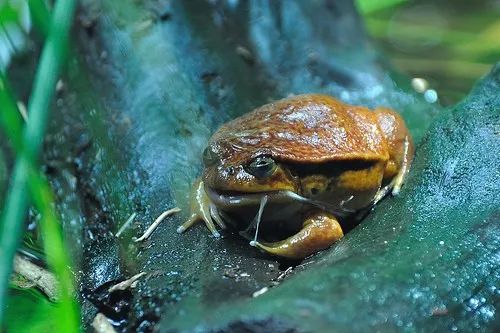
{"x":304,"y":129}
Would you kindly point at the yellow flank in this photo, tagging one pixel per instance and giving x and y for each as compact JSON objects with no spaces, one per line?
{"x":361,"y":180}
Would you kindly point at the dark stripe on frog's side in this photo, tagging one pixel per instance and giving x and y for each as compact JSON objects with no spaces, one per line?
{"x":335,"y":182}
{"x":329,"y":169}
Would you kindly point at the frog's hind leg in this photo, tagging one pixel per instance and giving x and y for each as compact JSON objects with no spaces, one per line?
{"x":400,"y":147}
{"x":202,"y":210}
{"x":395,"y":185}
{"x":319,"y":231}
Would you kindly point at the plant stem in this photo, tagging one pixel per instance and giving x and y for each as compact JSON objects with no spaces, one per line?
{"x":11,"y":123}
{"x":17,"y":199}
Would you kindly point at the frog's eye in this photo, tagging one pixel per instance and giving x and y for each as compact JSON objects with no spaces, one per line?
{"x":209,"y":157}
{"x":262,"y":166}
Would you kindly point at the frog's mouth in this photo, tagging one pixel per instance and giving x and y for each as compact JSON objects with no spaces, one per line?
{"x":232,"y":200}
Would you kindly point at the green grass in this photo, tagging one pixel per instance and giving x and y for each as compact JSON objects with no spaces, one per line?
{"x":25,"y":177}
{"x":370,"y":6}
{"x":40,"y":15}
{"x":31,"y":312}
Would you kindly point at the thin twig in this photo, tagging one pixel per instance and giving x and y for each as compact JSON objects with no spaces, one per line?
{"x":260,"y":292}
{"x":126,"y":224}
{"x":129,"y":283}
{"x":101,"y":324}
{"x":284,"y":274}
{"x":155,"y":224}
{"x":40,"y":277}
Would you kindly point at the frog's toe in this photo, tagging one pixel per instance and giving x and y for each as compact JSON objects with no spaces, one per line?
{"x":214,"y":213}
{"x":319,"y":231}
{"x":202,"y":210}
{"x":395,"y":190}
{"x":206,"y":215}
{"x":195,"y":218}
{"x":398,"y":182}
{"x":211,"y":226}
{"x":188,"y":224}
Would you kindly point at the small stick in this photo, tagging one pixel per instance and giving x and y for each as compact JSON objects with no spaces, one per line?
{"x":126,"y":224}
{"x":39,"y":276}
{"x":260,"y":292}
{"x":101,"y":324}
{"x":129,"y":283}
{"x":155,"y":224}
{"x":284,"y":274}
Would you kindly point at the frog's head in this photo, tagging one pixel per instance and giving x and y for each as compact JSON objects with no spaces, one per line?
{"x":239,"y":179}
{"x":229,"y":170}
{"x":242,"y":157}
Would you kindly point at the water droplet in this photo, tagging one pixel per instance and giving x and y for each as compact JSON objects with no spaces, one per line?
{"x":487,"y":311}
{"x":473,"y":303}
{"x":431,"y":96}
{"x":419,"y":85}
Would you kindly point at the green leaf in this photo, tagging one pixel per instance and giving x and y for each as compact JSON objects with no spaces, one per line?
{"x":28,"y":310}
{"x":8,"y":14}
{"x":370,"y":6}
{"x":24,"y":175}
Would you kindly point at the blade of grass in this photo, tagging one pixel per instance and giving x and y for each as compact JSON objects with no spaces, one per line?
{"x":40,"y":16}
{"x":11,"y":123}
{"x":10,"y":119}
{"x":370,"y":6}
{"x":17,"y":199}
{"x":57,"y":257}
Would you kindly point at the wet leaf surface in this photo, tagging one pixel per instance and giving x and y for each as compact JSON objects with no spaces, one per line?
{"x":155,"y":79}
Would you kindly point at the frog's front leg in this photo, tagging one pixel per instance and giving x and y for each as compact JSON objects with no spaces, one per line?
{"x":319,"y":231}
{"x":202,"y":209}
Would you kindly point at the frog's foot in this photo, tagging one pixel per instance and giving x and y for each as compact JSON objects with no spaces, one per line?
{"x":202,"y":210}
{"x":319,"y":231}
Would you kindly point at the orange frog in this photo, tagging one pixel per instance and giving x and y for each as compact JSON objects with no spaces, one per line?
{"x":287,"y":172}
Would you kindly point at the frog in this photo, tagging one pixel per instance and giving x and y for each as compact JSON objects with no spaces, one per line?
{"x":293,"y":171}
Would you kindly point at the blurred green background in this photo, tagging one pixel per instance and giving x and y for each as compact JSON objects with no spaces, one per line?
{"x":448,"y":43}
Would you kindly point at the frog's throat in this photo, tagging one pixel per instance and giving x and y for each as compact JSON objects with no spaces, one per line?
{"x":254,"y":199}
